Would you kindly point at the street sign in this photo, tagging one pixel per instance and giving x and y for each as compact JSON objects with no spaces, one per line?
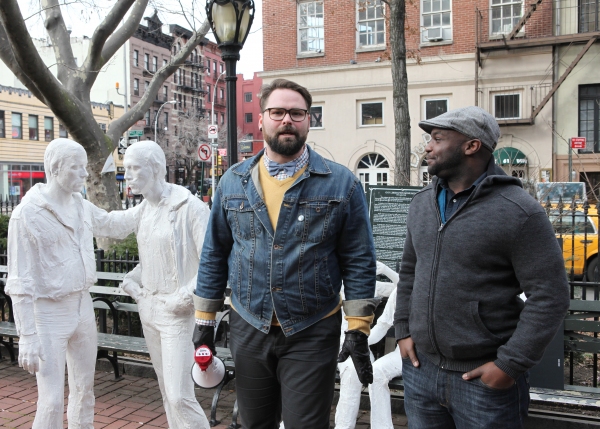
{"x":141,"y":123}
{"x":213,"y":131}
{"x":578,"y":142}
{"x":222,"y":152}
{"x":204,"y":152}
{"x":122,"y":150}
{"x":136,"y":133}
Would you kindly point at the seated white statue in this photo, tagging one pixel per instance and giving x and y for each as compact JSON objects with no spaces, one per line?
{"x":51,"y":267}
{"x":170,"y":225}
{"x":384,"y":368}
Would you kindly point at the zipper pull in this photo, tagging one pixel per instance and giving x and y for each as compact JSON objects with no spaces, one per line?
{"x":440,"y":228}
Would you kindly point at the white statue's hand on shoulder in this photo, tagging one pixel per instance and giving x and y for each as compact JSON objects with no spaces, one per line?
{"x":30,"y":353}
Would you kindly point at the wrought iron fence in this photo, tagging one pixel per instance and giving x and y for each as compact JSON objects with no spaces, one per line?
{"x":8,"y":203}
{"x":576,"y":227}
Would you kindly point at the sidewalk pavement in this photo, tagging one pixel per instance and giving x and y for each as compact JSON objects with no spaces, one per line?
{"x":132,"y":402}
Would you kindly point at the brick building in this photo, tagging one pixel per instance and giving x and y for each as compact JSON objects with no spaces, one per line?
{"x":248,"y":109}
{"x":459,"y":53}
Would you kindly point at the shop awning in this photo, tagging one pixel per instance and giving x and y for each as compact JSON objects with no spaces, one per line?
{"x":509,"y":156}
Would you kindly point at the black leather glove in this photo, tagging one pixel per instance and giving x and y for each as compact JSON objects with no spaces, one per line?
{"x":356,"y":346}
{"x":204,"y":336}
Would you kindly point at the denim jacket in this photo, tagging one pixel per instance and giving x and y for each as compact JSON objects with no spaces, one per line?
{"x":323,"y":237}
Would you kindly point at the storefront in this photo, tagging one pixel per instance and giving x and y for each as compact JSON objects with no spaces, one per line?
{"x":17,"y":179}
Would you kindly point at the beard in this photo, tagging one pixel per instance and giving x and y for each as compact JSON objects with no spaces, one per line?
{"x":446,"y":167}
{"x":286,"y":146}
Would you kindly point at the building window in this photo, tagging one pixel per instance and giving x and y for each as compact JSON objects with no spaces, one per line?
{"x":221,"y":67}
{"x":435,"y":107}
{"x":164,"y":63}
{"x":371,"y":113}
{"x":248,"y":118}
{"x":371,"y":24}
{"x":146,"y":86}
{"x":154,"y":64}
{"x":505,"y":15}
{"x":33,"y":127}
{"x":147,"y":118}
{"x":373,"y":169}
{"x":221,"y":94}
{"x":222,"y":118}
{"x":588,"y":16}
{"x":507,"y":106}
{"x":184,"y":102}
{"x":436,"y":20}
{"x":136,"y":55}
{"x":17,"y":126}
{"x":136,"y":87}
{"x":248,"y":97}
{"x":147,"y":61}
{"x":103,"y":128}
{"x":311,"y":33}
{"x":316,"y":117}
{"x":216,"y":118}
{"x":48,"y":128}
{"x":175,"y":77}
{"x":215,"y":67}
{"x":62,"y":131}
{"x":589,"y":116}
{"x":165,"y":93}
{"x":2,"y":125}
{"x":166,"y":121}
{"x":208,"y":93}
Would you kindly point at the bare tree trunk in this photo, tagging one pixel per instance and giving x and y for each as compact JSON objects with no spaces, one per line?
{"x":400,"y":92}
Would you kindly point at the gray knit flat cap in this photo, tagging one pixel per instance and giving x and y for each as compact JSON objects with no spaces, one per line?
{"x":472,"y":121}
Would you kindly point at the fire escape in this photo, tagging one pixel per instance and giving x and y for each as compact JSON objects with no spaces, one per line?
{"x":542,"y":23}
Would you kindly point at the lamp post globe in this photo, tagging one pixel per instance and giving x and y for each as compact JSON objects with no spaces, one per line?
{"x":230,"y":21}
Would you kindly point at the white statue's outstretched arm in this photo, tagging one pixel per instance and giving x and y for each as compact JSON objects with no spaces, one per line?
{"x":385,"y":321}
{"x":116,"y":224}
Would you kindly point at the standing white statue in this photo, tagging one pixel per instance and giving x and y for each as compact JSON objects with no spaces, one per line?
{"x":384,"y":368}
{"x":170,"y":225}
{"x":51,"y":267}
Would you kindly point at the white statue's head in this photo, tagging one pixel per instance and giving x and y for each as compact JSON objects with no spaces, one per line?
{"x":65,"y":163}
{"x":144,"y":163}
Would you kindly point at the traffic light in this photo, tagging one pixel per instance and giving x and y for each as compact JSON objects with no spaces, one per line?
{"x":219,"y":160}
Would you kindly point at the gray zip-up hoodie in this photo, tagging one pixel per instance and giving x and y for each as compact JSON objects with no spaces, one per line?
{"x":458,"y":295}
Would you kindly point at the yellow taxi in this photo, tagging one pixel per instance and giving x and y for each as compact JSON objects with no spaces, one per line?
{"x":578,"y":233}
{"x":576,"y":229}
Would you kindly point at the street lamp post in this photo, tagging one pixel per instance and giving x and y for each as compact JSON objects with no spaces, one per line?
{"x":158,"y":114}
{"x":214,"y":144}
{"x":230,"y":21}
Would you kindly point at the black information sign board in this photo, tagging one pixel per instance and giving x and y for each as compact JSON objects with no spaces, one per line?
{"x":388,"y":209}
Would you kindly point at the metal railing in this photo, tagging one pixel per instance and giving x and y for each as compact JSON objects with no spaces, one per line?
{"x":550,"y":18}
{"x":7,"y":204}
{"x":510,"y":104}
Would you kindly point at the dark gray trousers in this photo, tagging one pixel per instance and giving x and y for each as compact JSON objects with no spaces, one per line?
{"x":285,"y":377}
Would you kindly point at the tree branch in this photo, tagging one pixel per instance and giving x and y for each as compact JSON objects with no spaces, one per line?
{"x":117,"y":127}
{"x":8,"y":58}
{"x":101,"y":50}
{"x":61,"y":40}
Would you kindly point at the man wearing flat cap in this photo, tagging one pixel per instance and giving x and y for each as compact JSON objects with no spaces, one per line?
{"x":476,"y":240}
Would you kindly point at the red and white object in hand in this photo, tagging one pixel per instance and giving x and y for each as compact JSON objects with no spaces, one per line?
{"x":208,"y":371}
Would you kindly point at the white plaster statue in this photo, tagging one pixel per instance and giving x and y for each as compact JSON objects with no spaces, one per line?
{"x":170,"y":225}
{"x":384,"y":368}
{"x":51,"y":267}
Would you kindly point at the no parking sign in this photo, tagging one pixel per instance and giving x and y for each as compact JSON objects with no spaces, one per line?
{"x":213,"y":131}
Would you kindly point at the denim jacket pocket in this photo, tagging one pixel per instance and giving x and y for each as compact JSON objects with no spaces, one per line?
{"x":316,"y":219}
{"x":240,"y":215}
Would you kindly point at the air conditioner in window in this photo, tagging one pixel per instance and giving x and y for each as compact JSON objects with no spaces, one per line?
{"x":434,"y":34}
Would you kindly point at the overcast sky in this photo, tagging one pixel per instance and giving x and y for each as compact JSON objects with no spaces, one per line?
{"x":83,"y":19}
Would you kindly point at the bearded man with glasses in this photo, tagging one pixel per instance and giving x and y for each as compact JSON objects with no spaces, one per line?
{"x":287,"y":227}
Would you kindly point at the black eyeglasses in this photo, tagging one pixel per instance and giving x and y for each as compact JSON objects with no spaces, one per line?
{"x":278,"y":113}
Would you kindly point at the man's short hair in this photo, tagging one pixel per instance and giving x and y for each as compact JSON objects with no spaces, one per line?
{"x":268,"y":88}
{"x":152,"y":154}
{"x":57,"y":151}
